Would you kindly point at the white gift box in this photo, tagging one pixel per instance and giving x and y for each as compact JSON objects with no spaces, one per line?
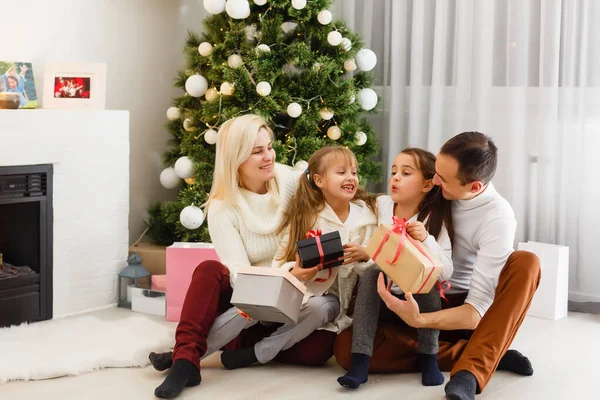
{"x":148,"y":301}
{"x":268,"y":294}
{"x":551,"y":298}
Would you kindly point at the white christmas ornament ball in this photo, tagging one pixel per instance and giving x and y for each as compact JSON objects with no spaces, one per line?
{"x":298,"y":4}
{"x":301,"y":165}
{"x":187,"y":125}
{"x":191,"y":217}
{"x":235,"y":61}
{"x":210,"y":136}
{"x":238,"y":9}
{"x":334,"y":133}
{"x":324,"y":17}
{"x":260,"y":2}
{"x":288,"y":27}
{"x":346,"y":44}
{"x":367,"y":98}
{"x":173,"y":113}
{"x":326,"y":114}
{"x":196,"y":85}
{"x":184,"y":167}
{"x":205,"y":49}
{"x":263,"y":48}
{"x":334,"y":38}
{"x":168,"y":178}
{"x":212,"y":94}
{"x":360,"y":138}
{"x":214,"y":6}
{"x":226,"y":89}
{"x":366,"y":59}
{"x":263,"y":88}
{"x":350,"y":65}
{"x":294,"y":110}
{"x":352,"y":99}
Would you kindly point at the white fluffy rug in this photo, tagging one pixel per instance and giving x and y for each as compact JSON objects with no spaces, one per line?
{"x":80,"y":344}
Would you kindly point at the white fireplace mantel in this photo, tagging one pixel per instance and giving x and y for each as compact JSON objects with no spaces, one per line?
{"x":90,"y":154}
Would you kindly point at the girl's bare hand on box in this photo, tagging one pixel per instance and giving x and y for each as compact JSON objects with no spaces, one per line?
{"x":354,"y":252}
{"x":304,"y":274}
{"x":417,"y":231}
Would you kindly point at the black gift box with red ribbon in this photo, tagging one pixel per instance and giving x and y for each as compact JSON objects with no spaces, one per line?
{"x":321,"y":249}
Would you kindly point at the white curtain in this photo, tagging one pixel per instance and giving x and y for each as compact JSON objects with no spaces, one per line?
{"x":526,"y":73}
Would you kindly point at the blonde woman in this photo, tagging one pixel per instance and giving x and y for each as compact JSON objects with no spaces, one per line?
{"x":248,"y":200}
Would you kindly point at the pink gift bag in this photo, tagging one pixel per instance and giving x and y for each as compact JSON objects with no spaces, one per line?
{"x":182,"y":260}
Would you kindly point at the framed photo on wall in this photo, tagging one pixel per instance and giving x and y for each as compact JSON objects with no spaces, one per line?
{"x":75,"y":86}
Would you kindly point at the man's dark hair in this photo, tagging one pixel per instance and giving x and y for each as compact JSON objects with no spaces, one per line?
{"x":477,"y":156}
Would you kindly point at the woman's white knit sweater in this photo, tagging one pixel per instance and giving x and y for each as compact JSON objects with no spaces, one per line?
{"x":358,"y":228}
{"x":244,"y":233}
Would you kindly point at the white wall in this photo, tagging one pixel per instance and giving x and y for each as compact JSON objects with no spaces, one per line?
{"x":141,"y":41}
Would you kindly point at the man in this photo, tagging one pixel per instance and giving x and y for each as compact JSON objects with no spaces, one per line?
{"x":492,"y":283}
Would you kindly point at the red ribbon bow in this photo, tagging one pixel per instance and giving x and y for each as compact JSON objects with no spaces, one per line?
{"x":399,"y":227}
{"x":443,"y":289}
{"x":315,"y":234}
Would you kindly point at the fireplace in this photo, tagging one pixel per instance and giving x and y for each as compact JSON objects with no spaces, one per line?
{"x":25,"y":244}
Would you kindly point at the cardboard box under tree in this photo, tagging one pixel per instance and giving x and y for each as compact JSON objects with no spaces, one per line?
{"x":268,"y":294}
{"x":325,"y":249}
{"x":415,"y":270}
{"x":154,"y":257}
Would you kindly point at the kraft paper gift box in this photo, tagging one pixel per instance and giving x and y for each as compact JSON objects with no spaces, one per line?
{"x":320,"y":248}
{"x":148,"y":301}
{"x":407,"y":262}
{"x":153,"y":257}
{"x":182,"y":260}
{"x":268,"y":294}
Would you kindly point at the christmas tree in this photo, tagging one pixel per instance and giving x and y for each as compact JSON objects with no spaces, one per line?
{"x":285,"y":60}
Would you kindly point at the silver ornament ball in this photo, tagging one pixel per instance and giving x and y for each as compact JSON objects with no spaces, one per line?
{"x":196,"y":85}
{"x":294,"y":110}
{"x":169,"y":179}
{"x":334,"y":133}
{"x":205,"y":49}
{"x":191,"y":217}
{"x":184,"y":167}
{"x":324,"y":17}
{"x":173,"y":113}
{"x":360,"y":138}
{"x":210,"y":136}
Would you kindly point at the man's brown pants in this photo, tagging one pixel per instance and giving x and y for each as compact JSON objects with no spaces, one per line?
{"x":479,"y":351}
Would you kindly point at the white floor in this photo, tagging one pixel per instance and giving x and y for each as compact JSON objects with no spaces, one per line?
{"x":565,"y":354}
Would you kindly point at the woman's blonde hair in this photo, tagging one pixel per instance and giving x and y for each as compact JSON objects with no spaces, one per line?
{"x":235,"y":141}
{"x":308,"y":201}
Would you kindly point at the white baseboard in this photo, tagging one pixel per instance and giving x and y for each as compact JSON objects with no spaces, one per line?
{"x":85,"y":311}
{"x":583,"y":297}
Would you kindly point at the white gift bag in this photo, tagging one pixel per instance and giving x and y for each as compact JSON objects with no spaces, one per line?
{"x":552,"y":296}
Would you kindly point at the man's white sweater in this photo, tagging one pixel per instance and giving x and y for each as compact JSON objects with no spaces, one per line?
{"x":484,"y":233}
{"x":244,"y":234}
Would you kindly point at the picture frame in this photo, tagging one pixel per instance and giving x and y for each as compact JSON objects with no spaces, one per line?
{"x":75,"y":86}
{"x":17,"y":85}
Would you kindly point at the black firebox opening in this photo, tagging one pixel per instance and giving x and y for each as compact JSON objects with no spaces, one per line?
{"x":25,"y":244}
